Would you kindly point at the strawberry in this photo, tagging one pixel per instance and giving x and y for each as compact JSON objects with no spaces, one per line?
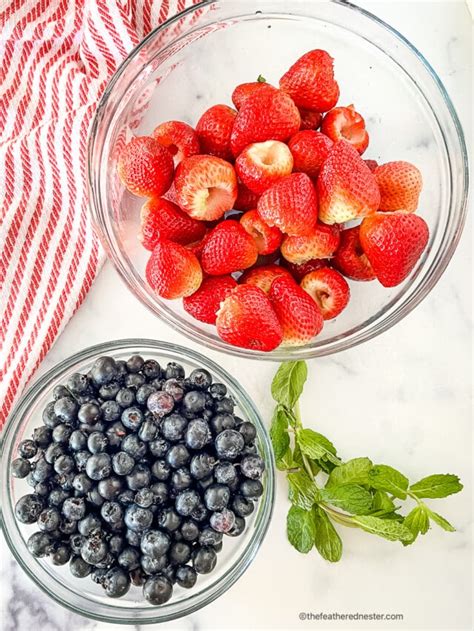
{"x":309,"y":149}
{"x":172,"y":270}
{"x":328,"y":289}
{"x":393,"y":243}
{"x":267,"y":238}
{"x":206,"y":187}
{"x":263,"y":276}
{"x":264,"y":116}
{"x":145,"y":167}
{"x":263,"y":163}
{"x":400,"y":185}
{"x":228,"y":248}
{"x":214,"y":129}
{"x":320,"y":243}
{"x":299,"y":271}
{"x":205,"y":302}
{"x":298,"y":314}
{"x":372,"y":164}
{"x":309,"y":119}
{"x":310,"y":82}
{"x":344,"y":123}
{"x":350,"y":258}
{"x":246,"y":199}
{"x":291,"y":205}
{"x":179,"y":138}
{"x":347,"y":188}
{"x":244,"y":90}
{"x":163,"y":219}
{"x":246,"y":318}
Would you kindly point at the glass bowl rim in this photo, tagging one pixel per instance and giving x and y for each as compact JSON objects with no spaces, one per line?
{"x":245,"y":556}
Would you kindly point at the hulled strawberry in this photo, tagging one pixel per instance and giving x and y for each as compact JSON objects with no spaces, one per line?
{"x":309,"y":149}
{"x":264,"y":116}
{"x":145,"y":167}
{"x":246,"y":199}
{"x":228,"y":248}
{"x":328,"y":289}
{"x":246,"y":318}
{"x":347,"y":189}
{"x":299,"y":271}
{"x":320,"y":243}
{"x":344,"y":123}
{"x":297,"y":313}
{"x":400,"y":185}
{"x":204,"y":303}
{"x":267,"y":238}
{"x":163,"y":219}
{"x":214,"y":129}
{"x":179,"y":138}
{"x":310,"y":82}
{"x":291,"y":205}
{"x":350,"y":258}
{"x":261,"y":164}
{"x":206,"y":187}
{"x":173,"y":271}
{"x":263,"y":276}
{"x":309,"y":119}
{"x":244,"y":90}
{"x":393,"y":243}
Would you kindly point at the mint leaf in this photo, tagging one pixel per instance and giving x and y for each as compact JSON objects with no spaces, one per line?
{"x":300,"y":528}
{"x":288,"y":383}
{"x":441,"y":521}
{"x":287,"y":461}
{"x":351,"y":498}
{"x":417,"y":521}
{"x":382,"y":502}
{"x":437,"y":486}
{"x":386,"y":478}
{"x":279,"y":433}
{"x":386,"y":528}
{"x":261,"y":79}
{"x":355,"y":471}
{"x":302,"y":491}
{"x":326,"y":540}
{"x":316,"y":446}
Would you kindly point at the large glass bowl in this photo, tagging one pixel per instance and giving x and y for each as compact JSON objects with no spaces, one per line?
{"x":81,"y":595}
{"x":195,"y":60}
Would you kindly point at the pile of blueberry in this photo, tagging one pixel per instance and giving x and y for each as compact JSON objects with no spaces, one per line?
{"x":137,"y":473}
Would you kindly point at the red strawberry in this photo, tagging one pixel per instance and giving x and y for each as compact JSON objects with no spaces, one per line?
{"x":309,"y":119}
{"x":263,"y":163}
{"x":400,"y":185}
{"x":350,"y":258}
{"x":299,"y":271}
{"x":372,"y":164}
{"x":246,"y":199}
{"x":347,"y":188}
{"x":206,"y":187}
{"x":205,"y":302}
{"x":145,"y":167}
{"x":172,"y":270}
{"x":179,"y":138}
{"x":291,"y":205}
{"x":344,"y":123}
{"x":310,"y":149}
{"x":263,"y":276}
{"x":298,"y":314}
{"x":246,"y":318}
{"x":393,"y":244}
{"x":320,"y":243}
{"x":328,"y":289}
{"x":267,"y":239}
{"x":214,"y":129}
{"x":244,"y":90}
{"x":163,"y":219}
{"x":228,"y":248}
{"x":310,"y":82}
{"x":264,"y":116}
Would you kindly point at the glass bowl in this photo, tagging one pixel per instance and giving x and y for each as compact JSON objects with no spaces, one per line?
{"x":81,"y":595}
{"x":196,"y":59}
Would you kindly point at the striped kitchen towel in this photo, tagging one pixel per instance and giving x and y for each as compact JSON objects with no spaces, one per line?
{"x":56,"y":57}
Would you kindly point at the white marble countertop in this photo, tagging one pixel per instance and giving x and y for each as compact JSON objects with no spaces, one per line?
{"x":413,"y":414}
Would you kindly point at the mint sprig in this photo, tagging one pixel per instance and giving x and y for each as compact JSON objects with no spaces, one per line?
{"x":326,"y":492}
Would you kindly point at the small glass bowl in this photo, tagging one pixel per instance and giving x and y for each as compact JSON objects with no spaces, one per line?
{"x":196,"y":59}
{"x":82,"y":596}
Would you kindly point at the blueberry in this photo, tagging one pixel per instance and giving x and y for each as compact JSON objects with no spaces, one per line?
{"x":157,"y":590}
{"x":132,"y":445}
{"x":153,"y":564}
{"x":206,"y":482}
{"x":116,"y":544}
{"x":79,"y":568}
{"x":174,"y":371}
{"x":110,"y":488}
{"x":53,"y":451}
{"x":133,"y":538}
{"x":216,"y":497}
{"x":181,"y":479}
{"x":99,"y":466}
{"x":209,"y":537}
{"x":224,"y":406}
{"x":125,"y":397}
{"x":89,"y":413}
{"x":82,"y":484}
{"x":82,"y":458}
{"x":97,"y":442}
{"x":144,"y":392}
{"x":78,"y":383}
{"x":103,"y":371}
{"x":122,"y":463}
{"x":27,"y":449}
{"x":151,"y":369}
{"x":200,"y":513}
{"x":251,"y":489}
{"x":148,"y":430}
{"x":20,"y":468}
{"x":160,"y":493}
{"x":66,"y":409}
{"x":76,"y":541}
{"x":197,"y":434}
{"x":172,"y":427}
{"x":225,"y":473}
{"x":220,"y":422}
{"x":177,"y":456}
{"x":252,"y":467}
{"x":116,"y":583}
{"x":68,"y":526}
{"x":94,"y":549}
{"x":186,"y":576}
{"x":229,"y":444}
{"x":169,"y":520}
{"x":217,"y":390}
{"x":42,"y":436}
{"x":200,"y":378}
{"x":135,"y":363}
{"x":126,"y":497}
{"x":115,"y":433}
{"x":64,"y":464}
{"x":144,"y":498}
{"x":111,"y":411}
{"x":218,"y":547}
{"x":204,"y":560}
{"x":174,"y":388}
{"x":159,"y":447}
{"x":155,"y":543}
{"x":186,"y":502}
{"x":238,"y":527}
{"x":134,"y":381}
{"x":60,"y":555}
{"x":160,"y":403}
{"x":180,"y":553}
{"x":111,"y":513}
{"x":157,"y":383}
{"x":39,"y":544}
{"x":49,"y":416}
{"x":139,"y":477}
{"x":201,"y":466}
{"x":132,"y":418}
{"x":122,"y":370}
{"x":94,"y":497}
{"x":60,"y":391}
{"x":222,"y":521}
{"x":169,"y":572}
{"x":138,"y":519}
{"x":109,"y":391}
{"x":57,"y":496}
{"x":74,"y":508}
{"x":194,"y":403}
{"x":48,"y":519}
{"x":42,"y":470}
{"x":77,"y":440}
{"x":189,"y":530}
{"x":248,"y":431}
{"x":129,"y":559}
{"x":98,"y":575}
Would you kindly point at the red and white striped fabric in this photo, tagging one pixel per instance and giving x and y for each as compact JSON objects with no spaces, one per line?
{"x":56,"y":57}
